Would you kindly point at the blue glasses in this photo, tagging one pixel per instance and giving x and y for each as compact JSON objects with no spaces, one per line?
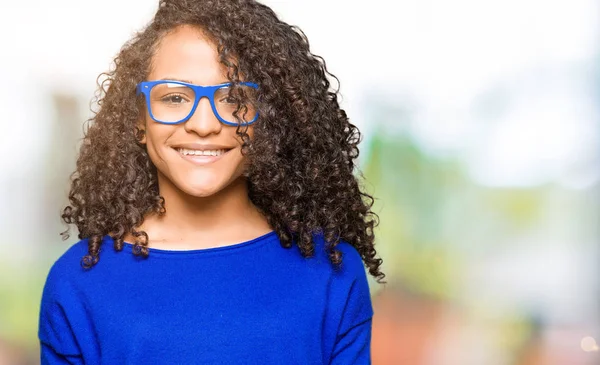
{"x":174,"y":102}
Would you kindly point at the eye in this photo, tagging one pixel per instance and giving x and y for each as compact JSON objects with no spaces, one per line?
{"x":173,"y":99}
{"x":227,"y":100}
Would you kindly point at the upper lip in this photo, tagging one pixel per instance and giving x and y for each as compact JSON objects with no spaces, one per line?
{"x":201,"y":146}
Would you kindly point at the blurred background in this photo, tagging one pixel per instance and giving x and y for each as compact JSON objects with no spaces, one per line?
{"x":481,"y":124}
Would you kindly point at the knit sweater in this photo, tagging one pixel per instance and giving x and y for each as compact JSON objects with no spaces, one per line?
{"x":254,"y":302}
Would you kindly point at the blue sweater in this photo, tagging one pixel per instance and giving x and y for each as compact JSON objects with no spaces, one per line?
{"x":249,"y":303}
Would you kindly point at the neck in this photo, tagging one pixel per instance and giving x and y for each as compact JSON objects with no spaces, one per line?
{"x":225,"y":217}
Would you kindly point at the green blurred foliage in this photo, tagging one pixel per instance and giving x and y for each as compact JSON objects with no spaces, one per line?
{"x":21,"y":286}
{"x":411,"y":191}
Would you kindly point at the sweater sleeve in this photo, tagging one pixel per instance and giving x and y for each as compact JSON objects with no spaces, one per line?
{"x":58,"y":344}
{"x":353,"y":343}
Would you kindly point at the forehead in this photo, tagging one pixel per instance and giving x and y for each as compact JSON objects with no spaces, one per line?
{"x":186,"y":53}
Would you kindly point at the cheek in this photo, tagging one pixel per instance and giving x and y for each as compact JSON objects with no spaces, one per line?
{"x":157,"y":136}
{"x":250,"y":132}
{"x":164,"y":158}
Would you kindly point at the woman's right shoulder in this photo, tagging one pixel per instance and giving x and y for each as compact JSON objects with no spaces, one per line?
{"x":67,"y":277}
{"x":72,"y":255}
{"x":67,"y":267}
{"x":63,"y":273}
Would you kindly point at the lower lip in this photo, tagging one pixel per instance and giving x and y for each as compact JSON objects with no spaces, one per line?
{"x":202,"y":160}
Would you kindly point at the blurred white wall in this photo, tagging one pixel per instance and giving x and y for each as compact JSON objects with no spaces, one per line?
{"x":530,"y":61}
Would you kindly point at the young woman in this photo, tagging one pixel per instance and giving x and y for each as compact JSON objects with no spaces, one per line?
{"x":220,"y":219}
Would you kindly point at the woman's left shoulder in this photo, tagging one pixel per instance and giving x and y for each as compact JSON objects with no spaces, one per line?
{"x":351,"y":266}
{"x":347,"y":283}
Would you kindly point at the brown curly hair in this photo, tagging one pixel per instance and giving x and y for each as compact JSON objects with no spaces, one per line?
{"x":302,"y":155}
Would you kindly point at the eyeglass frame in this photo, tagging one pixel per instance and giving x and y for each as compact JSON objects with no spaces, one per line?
{"x":145,"y":88}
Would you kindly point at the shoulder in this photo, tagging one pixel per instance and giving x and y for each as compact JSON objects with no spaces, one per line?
{"x":351,"y":267}
{"x":70,"y":260}
{"x":62,"y":271}
{"x":66,"y":273}
{"x":349,"y":302}
{"x":351,"y":259}
{"x":63,"y":307}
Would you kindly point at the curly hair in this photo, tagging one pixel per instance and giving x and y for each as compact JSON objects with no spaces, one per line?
{"x":302,"y":155}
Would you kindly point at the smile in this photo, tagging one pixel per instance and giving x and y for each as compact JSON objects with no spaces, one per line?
{"x":188,"y":152}
{"x":201,"y":157}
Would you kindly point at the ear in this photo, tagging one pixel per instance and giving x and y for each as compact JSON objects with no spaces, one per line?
{"x":140,"y":128}
{"x":140,"y":133}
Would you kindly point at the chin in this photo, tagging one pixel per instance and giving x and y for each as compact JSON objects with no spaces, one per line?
{"x":200,"y":184}
{"x":202,"y":192}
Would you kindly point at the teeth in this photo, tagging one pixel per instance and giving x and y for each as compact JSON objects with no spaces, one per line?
{"x":187,"y":152}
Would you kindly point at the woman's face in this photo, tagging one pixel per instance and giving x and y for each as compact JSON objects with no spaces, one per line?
{"x":185,"y":54}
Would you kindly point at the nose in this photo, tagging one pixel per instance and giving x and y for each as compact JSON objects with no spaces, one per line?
{"x":203,"y":122}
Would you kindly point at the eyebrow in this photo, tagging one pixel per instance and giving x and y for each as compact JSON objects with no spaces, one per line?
{"x":188,"y":81}
{"x":175,"y":79}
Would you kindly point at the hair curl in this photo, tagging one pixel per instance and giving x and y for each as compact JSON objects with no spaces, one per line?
{"x":303,"y":152}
